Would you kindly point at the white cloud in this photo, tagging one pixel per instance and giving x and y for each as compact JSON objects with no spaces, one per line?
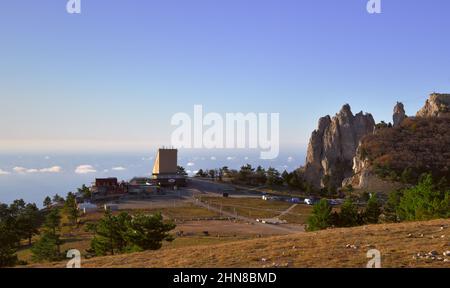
{"x":246,"y":157}
{"x":23,"y":170}
{"x":190,"y":164}
{"x":290,"y":159}
{"x":119,"y":168}
{"x":3,"y":172}
{"x":20,"y":170}
{"x":85,"y":169}
{"x":213,"y":158}
{"x":229,"y":158}
{"x":54,"y":169}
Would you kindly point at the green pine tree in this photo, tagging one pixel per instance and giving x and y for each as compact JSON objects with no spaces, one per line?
{"x":85,"y":191}
{"x":8,"y":246}
{"x":28,"y":222}
{"x":110,"y":234}
{"x":373,"y":210}
{"x":147,"y":232}
{"x":348,"y":217}
{"x":391,"y":206}
{"x":47,"y":202}
{"x":71,"y":209}
{"x":47,"y":248}
{"x":424,"y":201}
{"x":320,"y":217}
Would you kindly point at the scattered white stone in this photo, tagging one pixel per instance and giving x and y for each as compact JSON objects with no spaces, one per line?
{"x":351,"y":246}
{"x":446,"y":253}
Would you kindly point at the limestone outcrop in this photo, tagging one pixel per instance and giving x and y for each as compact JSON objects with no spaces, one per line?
{"x":399,"y":114}
{"x":419,"y":145}
{"x":437,"y":105}
{"x":333,"y":145}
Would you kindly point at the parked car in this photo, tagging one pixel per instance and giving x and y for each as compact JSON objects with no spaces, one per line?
{"x":267,"y":198}
{"x":311,"y":201}
{"x":333,"y":202}
{"x":295,"y":200}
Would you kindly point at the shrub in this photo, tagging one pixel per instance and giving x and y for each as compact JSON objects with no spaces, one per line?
{"x":320,"y":217}
{"x":372,"y":211}
{"x":424,"y":201}
{"x":348,"y":217}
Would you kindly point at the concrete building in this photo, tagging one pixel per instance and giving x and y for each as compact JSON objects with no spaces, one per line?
{"x":165,"y":169}
{"x":142,"y":185}
{"x":108,"y":187}
{"x":166,"y":162}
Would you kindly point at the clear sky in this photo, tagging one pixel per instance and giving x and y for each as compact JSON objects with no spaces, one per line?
{"x":112,"y":77}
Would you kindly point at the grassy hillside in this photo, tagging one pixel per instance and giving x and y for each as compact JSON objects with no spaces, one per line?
{"x":346,"y":247}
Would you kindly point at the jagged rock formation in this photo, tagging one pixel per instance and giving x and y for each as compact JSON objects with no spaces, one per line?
{"x":333,"y":145}
{"x":418,"y":143}
{"x":399,"y":114}
{"x":437,"y":105}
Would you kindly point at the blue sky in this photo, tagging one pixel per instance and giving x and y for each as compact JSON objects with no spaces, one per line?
{"x":112,"y":77}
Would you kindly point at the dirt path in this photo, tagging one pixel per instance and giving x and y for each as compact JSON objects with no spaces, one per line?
{"x":287,"y":210}
{"x":284,"y":229}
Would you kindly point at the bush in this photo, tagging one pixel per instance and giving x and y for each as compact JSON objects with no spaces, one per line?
{"x":372,"y":211}
{"x":424,"y":201}
{"x":349,"y":216}
{"x":321,"y":216}
{"x":8,"y":257}
{"x":391,"y":206}
{"x":125,"y":233}
{"x":47,"y":248}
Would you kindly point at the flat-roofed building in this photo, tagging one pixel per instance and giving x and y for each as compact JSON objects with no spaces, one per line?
{"x":166,"y":162}
{"x":104,"y":187}
{"x":165,"y":169}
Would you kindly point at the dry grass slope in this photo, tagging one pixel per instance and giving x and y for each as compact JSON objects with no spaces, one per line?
{"x":398,"y":244}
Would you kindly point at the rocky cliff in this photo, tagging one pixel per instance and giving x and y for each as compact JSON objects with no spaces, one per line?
{"x":399,"y":114}
{"x":419,"y":144}
{"x":437,"y":105}
{"x":332,"y":147}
